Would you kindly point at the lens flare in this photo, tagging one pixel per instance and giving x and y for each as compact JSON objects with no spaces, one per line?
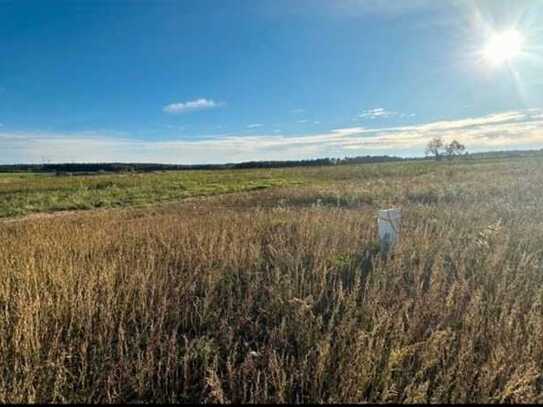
{"x":503,"y":47}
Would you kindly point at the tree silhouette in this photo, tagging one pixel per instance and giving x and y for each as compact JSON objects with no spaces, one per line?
{"x":434,"y":147}
{"x":454,"y":148}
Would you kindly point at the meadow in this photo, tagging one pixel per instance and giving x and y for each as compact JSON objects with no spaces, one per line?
{"x":268,"y":285}
{"x":26,"y":193}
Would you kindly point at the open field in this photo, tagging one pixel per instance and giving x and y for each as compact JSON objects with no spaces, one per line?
{"x":24,"y":193}
{"x":275,"y":292}
{"x":29,"y":193}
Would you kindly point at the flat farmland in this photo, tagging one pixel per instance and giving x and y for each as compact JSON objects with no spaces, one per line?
{"x":268,"y":285}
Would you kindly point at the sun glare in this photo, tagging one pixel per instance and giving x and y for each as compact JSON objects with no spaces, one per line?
{"x":503,"y":47}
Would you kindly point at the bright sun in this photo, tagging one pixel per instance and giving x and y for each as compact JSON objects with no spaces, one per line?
{"x":503,"y":47}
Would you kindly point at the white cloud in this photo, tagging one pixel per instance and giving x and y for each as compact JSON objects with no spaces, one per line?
{"x":297,"y":111}
{"x":254,"y":125}
{"x":381,"y":113}
{"x":377,"y":113}
{"x":350,"y":130}
{"x":302,"y":121}
{"x":193,"y":105}
{"x":495,"y":118}
{"x":499,"y":131}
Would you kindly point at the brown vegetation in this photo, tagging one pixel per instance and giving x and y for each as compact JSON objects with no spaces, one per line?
{"x":279,"y":295}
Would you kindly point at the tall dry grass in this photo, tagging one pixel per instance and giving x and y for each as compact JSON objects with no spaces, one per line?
{"x":280,"y":296}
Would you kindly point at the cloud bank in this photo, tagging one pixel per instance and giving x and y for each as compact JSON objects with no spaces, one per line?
{"x":498,"y":131}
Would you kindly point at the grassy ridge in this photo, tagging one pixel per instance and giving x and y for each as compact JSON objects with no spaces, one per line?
{"x":279,"y":295}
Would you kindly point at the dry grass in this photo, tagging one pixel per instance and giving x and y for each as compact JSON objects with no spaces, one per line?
{"x":279,"y":296}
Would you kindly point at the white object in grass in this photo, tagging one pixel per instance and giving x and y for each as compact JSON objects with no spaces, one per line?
{"x":388,"y":221}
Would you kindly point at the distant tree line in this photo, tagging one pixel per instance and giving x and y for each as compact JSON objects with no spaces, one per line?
{"x":94,"y":168}
{"x":436,"y":148}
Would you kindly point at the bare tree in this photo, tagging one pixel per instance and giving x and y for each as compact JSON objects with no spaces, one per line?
{"x":454,"y":148}
{"x":434,"y":148}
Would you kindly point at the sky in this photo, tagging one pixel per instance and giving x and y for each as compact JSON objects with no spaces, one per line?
{"x":207,"y":81}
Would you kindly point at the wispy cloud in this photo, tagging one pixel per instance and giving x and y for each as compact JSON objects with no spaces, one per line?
{"x":376,"y":113}
{"x":254,"y":125}
{"x":302,"y":121}
{"x":381,"y":113}
{"x":498,"y":131}
{"x":191,"y":106}
{"x":297,"y":111}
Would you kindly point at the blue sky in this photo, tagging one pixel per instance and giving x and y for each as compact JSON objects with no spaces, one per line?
{"x":236,"y":80}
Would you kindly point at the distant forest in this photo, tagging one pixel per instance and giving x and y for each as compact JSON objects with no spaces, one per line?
{"x":66,"y":168}
{"x":146,"y":167}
